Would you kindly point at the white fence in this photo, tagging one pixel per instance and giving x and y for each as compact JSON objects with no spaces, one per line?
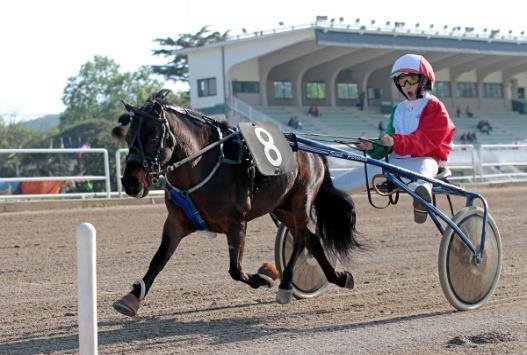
{"x":502,"y":162}
{"x":486,"y":163}
{"x":118,"y":173}
{"x":105,"y":177}
{"x":248,"y":112}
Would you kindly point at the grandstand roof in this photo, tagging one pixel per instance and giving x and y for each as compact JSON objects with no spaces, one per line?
{"x":397,"y":40}
{"x":378,"y":37}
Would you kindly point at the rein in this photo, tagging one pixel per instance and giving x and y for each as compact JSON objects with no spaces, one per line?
{"x":350,"y":142}
{"x":340,"y":139}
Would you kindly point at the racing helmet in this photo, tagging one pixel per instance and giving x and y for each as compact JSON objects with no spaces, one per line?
{"x":414,"y":64}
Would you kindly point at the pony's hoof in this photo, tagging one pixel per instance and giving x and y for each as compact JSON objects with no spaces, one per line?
{"x":284,"y":296}
{"x":127,"y":305}
{"x":269,"y":273}
{"x":350,"y":283}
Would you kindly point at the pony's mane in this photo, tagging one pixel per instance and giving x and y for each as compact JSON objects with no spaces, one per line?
{"x":161,"y":98}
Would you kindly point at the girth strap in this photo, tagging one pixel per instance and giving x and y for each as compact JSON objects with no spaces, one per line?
{"x":183,"y":200}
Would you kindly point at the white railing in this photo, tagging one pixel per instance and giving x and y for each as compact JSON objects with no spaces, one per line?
{"x":105,"y":177}
{"x":118,"y":170}
{"x":252,"y":114}
{"x":501,"y":162}
{"x":463,"y":158}
{"x":486,"y":163}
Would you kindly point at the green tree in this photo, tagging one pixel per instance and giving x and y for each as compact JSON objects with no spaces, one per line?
{"x":180,"y":98}
{"x":177,"y":68}
{"x":97,"y":91}
{"x":14,"y":136}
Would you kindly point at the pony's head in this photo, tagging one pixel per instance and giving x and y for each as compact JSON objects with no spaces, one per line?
{"x":150,"y":140}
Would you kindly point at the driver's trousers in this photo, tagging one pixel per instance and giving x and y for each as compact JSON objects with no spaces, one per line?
{"x":355,"y":181}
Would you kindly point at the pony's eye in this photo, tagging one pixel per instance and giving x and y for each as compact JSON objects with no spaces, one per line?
{"x":152,"y":139}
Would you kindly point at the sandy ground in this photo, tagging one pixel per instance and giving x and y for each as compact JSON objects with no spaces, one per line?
{"x":397,"y":305}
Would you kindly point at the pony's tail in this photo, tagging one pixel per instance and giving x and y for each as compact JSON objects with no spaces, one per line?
{"x":335,"y":215}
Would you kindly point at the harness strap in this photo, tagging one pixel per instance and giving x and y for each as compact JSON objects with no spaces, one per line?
{"x":194,"y":156}
{"x":200,"y":152}
{"x":251,"y":172}
{"x":181,"y":197}
{"x":183,"y":200}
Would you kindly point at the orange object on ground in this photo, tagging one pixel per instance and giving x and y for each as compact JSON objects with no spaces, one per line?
{"x":40,"y":187}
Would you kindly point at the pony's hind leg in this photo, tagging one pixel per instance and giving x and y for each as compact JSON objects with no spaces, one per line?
{"x":285,"y":290}
{"x":342,"y":279}
{"x":236,"y":240}
{"x":172,"y":235}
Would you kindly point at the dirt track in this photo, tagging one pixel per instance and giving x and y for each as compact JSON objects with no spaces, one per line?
{"x":397,"y":305}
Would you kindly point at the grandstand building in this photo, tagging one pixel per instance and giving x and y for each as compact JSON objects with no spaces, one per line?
{"x":280,"y":73}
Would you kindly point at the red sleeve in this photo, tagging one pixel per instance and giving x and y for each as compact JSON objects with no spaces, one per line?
{"x":434,"y":127}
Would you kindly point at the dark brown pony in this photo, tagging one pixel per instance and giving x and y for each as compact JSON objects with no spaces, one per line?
{"x":160,"y":136}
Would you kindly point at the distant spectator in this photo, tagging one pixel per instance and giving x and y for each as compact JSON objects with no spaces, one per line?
{"x":463,"y":138}
{"x":316,"y":111}
{"x":458,"y":112}
{"x":313,"y":110}
{"x":467,"y":137}
{"x":294,"y":122}
{"x":472,"y":137}
{"x":468,"y":112}
{"x":484,"y":126}
{"x":310,"y":110}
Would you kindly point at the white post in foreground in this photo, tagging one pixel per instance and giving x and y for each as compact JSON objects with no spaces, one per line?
{"x":87,"y":288}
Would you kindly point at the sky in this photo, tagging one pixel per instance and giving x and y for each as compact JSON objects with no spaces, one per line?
{"x":43,"y":43}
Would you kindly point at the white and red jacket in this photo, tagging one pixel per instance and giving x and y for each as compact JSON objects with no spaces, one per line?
{"x":421,"y":128}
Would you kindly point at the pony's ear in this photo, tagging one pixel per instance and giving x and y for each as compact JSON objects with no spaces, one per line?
{"x":119,"y":131}
{"x":127,"y":106}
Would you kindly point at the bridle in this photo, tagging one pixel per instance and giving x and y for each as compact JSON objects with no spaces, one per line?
{"x":151,"y":163}
{"x":154,"y":170}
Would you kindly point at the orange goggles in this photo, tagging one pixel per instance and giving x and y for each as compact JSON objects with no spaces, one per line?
{"x":411,"y":79}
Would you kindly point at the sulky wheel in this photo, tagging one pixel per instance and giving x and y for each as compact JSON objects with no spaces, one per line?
{"x":308,"y":278}
{"x":468,"y":285}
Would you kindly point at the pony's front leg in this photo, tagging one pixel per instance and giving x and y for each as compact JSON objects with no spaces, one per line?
{"x":236,"y":240}
{"x":172,"y":235}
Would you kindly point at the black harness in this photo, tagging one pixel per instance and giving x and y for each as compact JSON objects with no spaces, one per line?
{"x":152,"y":163}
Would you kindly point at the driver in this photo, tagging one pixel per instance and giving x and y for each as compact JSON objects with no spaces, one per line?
{"x":418,"y":135}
